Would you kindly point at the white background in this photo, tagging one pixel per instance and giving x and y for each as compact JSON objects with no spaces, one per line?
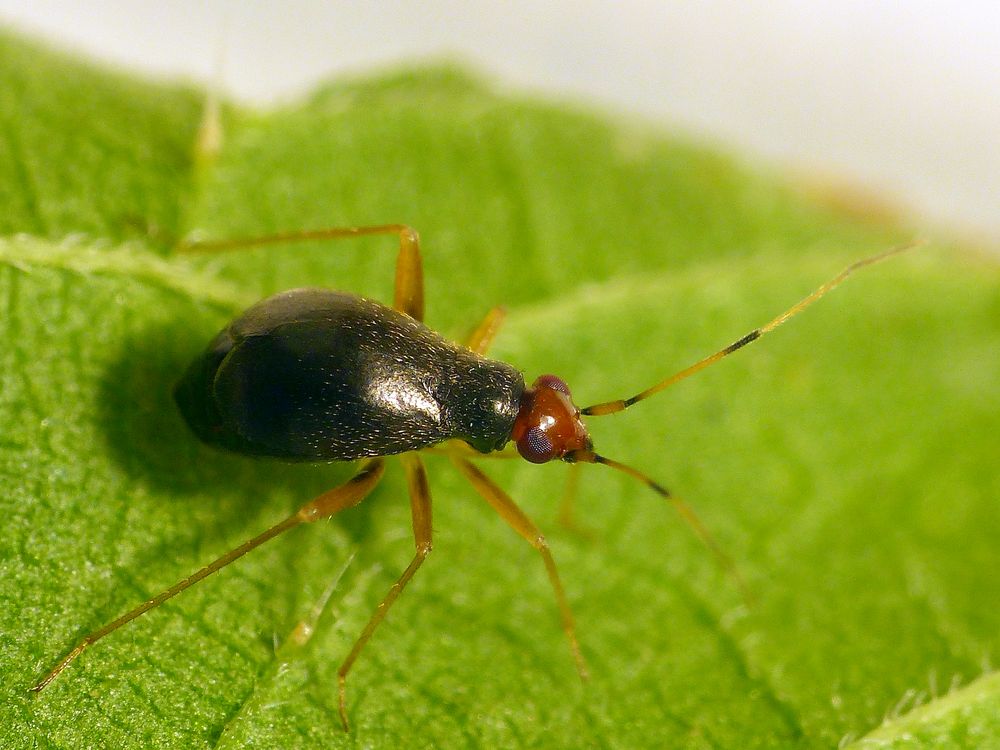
{"x":903,"y":98}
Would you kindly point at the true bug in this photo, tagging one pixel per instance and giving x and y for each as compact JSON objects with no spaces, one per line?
{"x":317,"y":375}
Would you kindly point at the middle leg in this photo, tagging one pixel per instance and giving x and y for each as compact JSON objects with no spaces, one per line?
{"x":420,"y":504}
{"x":408,"y":296}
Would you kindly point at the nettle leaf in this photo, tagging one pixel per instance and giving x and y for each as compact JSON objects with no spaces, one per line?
{"x":847,"y":462}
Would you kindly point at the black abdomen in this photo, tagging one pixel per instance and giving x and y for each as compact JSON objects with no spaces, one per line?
{"x":312,"y":374}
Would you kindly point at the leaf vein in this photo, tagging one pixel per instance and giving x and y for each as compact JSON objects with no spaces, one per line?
{"x":738,"y":657}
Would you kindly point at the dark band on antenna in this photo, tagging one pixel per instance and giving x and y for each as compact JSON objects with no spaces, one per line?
{"x":752,"y":336}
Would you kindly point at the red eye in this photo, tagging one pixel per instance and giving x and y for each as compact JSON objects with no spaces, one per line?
{"x":536,"y":446}
{"x":551,"y":381}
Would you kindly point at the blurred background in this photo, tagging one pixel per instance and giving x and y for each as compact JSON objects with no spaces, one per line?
{"x":895,"y":100}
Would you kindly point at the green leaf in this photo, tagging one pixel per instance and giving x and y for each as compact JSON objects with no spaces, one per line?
{"x":89,"y":152}
{"x":969,"y":717}
{"x":847,"y":462}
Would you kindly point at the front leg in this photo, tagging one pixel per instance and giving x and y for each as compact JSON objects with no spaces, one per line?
{"x":516,"y":518}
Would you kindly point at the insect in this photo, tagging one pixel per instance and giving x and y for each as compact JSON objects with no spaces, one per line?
{"x":318,"y":375}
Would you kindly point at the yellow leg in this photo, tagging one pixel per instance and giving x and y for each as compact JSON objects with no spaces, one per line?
{"x":420,"y":504}
{"x":514,"y":516}
{"x":486,"y":331}
{"x":340,"y":498}
{"x":409,"y":287}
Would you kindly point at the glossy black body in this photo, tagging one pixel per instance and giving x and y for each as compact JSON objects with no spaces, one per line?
{"x":313,"y":375}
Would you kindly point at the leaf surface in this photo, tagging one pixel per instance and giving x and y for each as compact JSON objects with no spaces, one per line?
{"x":846,"y":462}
